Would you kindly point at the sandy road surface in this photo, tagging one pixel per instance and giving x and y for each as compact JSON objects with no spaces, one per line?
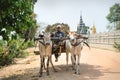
{"x":96,"y":64}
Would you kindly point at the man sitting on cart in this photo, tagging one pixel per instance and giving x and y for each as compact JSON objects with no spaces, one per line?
{"x":58,"y":34}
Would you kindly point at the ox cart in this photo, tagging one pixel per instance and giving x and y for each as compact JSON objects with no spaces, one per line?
{"x":58,"y":45}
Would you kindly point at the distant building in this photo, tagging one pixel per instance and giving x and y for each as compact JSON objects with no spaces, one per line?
{"x":81,"y":28}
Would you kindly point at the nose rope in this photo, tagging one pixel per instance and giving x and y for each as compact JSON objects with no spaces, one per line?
{"x":77,"y":43}
{"x":43,"y":43}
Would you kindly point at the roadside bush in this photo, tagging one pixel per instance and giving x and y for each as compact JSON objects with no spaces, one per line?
{"x":117,"y":46}
{"x":12,"y":49}
{"x":30,"y":43}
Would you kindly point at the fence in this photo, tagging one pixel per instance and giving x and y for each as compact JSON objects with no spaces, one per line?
{"x":105,"y":40}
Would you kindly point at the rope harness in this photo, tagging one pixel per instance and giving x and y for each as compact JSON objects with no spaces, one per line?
{"x":77,"y":43}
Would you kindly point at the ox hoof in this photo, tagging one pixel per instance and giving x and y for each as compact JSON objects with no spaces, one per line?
{"x":40,"y":75}
{"x":75,"y":72}
{"x":55,"y":71}
{"x":48,"y":74}
{"x":78,"y":73}
{"x":56,"y":60}
{"x":73,"y":68}
{"x":66,"y":69}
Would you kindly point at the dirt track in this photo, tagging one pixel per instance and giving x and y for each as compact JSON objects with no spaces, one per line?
{"x":96,"y":64}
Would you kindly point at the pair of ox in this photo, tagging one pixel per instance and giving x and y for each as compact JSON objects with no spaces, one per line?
{"x":73,"y":46}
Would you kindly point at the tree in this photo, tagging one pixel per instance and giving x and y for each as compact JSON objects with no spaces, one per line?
{"x":52,"y":28}
{"x":114,"y":16}
{"x":16,"y":15}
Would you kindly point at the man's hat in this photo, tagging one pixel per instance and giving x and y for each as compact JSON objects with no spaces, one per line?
{"x":58,"y":26}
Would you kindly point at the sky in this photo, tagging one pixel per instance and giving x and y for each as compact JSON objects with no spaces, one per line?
{"x":69,"y":11}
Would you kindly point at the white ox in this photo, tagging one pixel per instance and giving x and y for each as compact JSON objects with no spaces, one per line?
{"x":74,"y":46}
{"x":45,"y":50}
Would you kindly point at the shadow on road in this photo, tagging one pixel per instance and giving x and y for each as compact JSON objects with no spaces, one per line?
{"x":87,"y":72}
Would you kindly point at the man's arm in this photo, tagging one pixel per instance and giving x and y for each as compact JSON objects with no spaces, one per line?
{"x":55,"y":34}
{"x":63,"y":35}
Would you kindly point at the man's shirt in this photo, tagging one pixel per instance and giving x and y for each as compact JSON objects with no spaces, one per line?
{"x":59,"y":34}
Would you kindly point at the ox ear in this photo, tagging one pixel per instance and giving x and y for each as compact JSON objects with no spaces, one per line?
{"x":79,"y":36}
{"x":41,"y":35}
{"x":71,"y":33}
{"x":52,"y":34}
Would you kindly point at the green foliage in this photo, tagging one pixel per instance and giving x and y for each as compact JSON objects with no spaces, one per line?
{"x":30,"y":43}
{"x":18,"y":16}
{"x":15,"y":15}
{"x":114,"y":16}
{"x":117,"y":46}
{"x":12,"y":49}
{"x":118,"y":25}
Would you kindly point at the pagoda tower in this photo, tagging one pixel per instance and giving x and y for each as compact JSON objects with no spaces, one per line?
{"x":81,"y":28}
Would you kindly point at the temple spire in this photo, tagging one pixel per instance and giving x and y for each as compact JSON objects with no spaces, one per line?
{"x":81,"y":28}
{"x":80,"y":17}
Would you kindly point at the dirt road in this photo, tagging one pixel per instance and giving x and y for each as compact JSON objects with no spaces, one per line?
{"x":96,"y":64}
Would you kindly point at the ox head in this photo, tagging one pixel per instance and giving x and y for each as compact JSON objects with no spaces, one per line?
{"x":47,"y":38}
{"x":72,"y":37}
{"x":75,"y":39}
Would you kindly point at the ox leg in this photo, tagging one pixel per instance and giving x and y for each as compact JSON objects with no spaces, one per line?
{"x":48,"y":65}
{"x":73,"y":58}
{"x":44,"y":63}
{"x":52,"y":64}
{"x":78,"y":65}
{"x":73,"y":62}
{"x":41,"y":68}
{"x":67,"y":57}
